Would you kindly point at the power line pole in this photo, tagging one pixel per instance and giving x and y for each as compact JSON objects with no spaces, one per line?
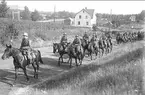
{"x":110,"y":19}
{"x":54,"y":17}
{"x":54,"y":14}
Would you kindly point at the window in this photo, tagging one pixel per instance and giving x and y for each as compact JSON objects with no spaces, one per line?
{"x":87,"y":23}
{"x":79,"y":16}
{"x":78,"y":22}
{"x":83,"y":11}
{"x":86,"y":17}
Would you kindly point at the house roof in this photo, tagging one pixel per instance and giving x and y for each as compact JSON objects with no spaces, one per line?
{"x":89,"y":11}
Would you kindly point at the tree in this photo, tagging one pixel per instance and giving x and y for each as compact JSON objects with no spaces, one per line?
{"x":26,"y":14}
{"x":35,"y":15}
{"x":142,"y":15}
{"x":3,"y":8}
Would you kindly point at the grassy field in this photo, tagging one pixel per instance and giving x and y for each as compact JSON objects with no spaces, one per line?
{"x":121,"y":76}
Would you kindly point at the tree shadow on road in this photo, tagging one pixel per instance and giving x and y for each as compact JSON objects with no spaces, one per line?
{"x":46,"y":70}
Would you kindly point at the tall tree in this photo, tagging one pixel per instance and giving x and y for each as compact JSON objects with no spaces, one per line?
{"x":142,"y":15}
{"x":3,"y":8}
{"x":35,"y":15}
{"x":26,"y":14}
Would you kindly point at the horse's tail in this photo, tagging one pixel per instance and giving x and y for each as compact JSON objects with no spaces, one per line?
{"x":40,"y":57}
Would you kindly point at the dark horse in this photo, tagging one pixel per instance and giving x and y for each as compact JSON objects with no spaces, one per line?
{"x":21,"y":62}
{"x":109,"y":45}
{"x":92,"y":48}
{"x":55,"y":47}
{"x":102,"y":46}
{"x":85,"y":44}
{"x":61,"y":52}
{"x":76,"y":52}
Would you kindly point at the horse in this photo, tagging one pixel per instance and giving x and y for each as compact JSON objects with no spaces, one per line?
{"x":20,"y":61}
{"x":61,"y":52}
{"x":85,"y":44}
{"x":109,"y":45}
{"x":55,"y":47}
{"x":101,"y":46}
{"x":92,"y":48}
{"x":76,"y":52}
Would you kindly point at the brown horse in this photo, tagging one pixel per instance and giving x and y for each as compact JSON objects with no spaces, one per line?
{"x":20,"y":61}
{"x":76,"y":52}
{"x":85,"y":44}
{"x":61,"y":52}
{"x":55,"y":47}
{"x":92,"y":48}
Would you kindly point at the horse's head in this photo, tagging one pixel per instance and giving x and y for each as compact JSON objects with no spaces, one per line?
{"x":55,"y":47}
{"x":7,"y":52}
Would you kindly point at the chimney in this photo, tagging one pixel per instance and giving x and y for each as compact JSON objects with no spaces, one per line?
{"x":85,"y":7}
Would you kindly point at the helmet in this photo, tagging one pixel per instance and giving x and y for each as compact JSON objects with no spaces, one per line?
{"x":25,"y":34}
{"x":76,"y":36}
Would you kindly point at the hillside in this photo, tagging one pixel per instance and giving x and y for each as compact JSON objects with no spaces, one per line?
{"x":45,"y":31}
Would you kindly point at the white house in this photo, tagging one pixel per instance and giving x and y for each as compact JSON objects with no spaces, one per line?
{"x":132,"y":18}
{"x":85,"y":18}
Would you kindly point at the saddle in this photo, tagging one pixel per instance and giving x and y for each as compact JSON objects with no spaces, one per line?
{"x":75,"y":46}
{"x":27,"y":52}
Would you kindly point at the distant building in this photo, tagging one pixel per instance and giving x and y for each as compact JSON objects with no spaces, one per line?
{"x":133,"y":18}
{"x":69,"y":21}
{"x":85,"y":18}
{"x":15,"y":12}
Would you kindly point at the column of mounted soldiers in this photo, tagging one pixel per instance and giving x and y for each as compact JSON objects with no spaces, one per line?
{"x":95,"y":44}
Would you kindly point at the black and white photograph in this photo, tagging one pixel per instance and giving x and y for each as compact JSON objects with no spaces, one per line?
{"x":72,"y":47}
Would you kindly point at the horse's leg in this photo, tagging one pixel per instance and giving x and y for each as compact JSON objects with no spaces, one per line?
{"x":59,"y":61}
{"x":62,"y":59}
{"x":16,"y":73}
{"x":91,"y":55}
{"x":24,"y":70}
{"x":34,"y":70}
{"x":70,"y":62}
{"x":76,"y":62}
{"x":37,"y":69}
{"x":102,"y":51}
{"x":99,"y":52}
{"x":96,"y":52}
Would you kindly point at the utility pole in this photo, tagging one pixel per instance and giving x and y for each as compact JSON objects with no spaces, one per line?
{"x":110,"y":19}
{"x":54,"y":17}
{"x":54,"y":14}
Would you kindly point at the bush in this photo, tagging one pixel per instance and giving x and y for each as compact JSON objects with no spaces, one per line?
{"x":8,"y":32}
{"x":43,"y":36}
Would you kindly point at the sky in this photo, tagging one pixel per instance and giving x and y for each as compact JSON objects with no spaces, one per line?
{"x":118,"y":7}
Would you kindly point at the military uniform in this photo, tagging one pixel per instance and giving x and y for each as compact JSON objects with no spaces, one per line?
{"x":26,"y":49}
{"x":77,"y":41}
{"x":86,"y":36}
{"x":63,"y":41}
{"x":94,"y":41}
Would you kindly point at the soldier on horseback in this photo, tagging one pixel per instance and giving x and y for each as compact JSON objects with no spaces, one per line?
{"x":63,"y":41}
{"x":104,"y":38}
{"x":94,"y":40}
{"x":76,"y":42}
{"x":86,"y":37}
{"x":25,"y":47}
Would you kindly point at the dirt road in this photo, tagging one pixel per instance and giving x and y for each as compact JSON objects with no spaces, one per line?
{"x":49,"y":69}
